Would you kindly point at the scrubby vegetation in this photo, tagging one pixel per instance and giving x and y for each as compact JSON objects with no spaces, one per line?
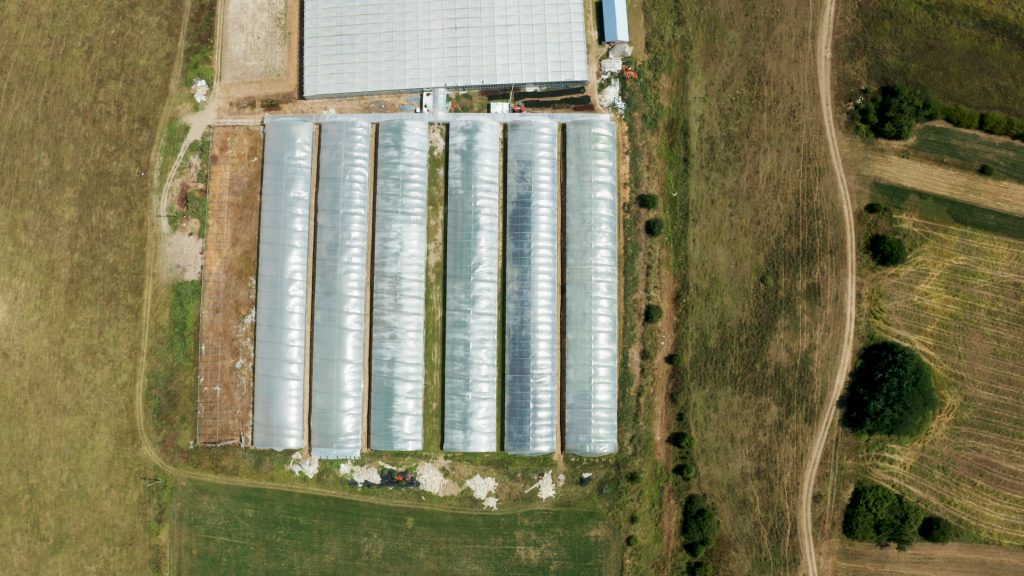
{"x":199,"y":41}
{"x":890,"y":392}
{"x":892,"y":112}
{"x":652,"y":313}
{"x":647,"y":201}
{"x":654,"y":227}
{"x":937,"y":530}
{"x":874,"y":514}
{"x":986,"y":170}
{"x":887,"y":249}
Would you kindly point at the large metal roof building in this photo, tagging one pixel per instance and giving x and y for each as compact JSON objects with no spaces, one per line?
{"x":376,"y":46}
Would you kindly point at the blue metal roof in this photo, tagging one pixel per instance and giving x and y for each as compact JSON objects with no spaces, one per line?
{"x":616,"y":22}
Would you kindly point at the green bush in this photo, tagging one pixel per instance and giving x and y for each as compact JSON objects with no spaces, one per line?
{"x":654,"y":227}
{"x":700,"y":569}
{"x":699,"y":525}
{"x":680,"y":440}
{"x":631,"y":540}
{"x":647,"y":201}
{"x":898,"y":109}
{"x":874,"y":514}
{"x":986,"y":170}
{"x":995,"y":123}
{"x":937,"y":530}
{"x":671,"y":359}
{"x":685,"y":471}
{"x":890,"y":392}
{"x":652,"y":313}
{"x":961,"y":116}
{"x":887,"y":250}
{"x":874,"y":208}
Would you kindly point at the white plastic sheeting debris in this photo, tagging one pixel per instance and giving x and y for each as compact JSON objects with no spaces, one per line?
{"x":361,"y":475}
{"x":481,"y":487}
{"x":304,"y":466}
{"x":611,"y":66}
{"x":431,"y":478}
{"x":200,"y":90}
{"x":545,"y":487}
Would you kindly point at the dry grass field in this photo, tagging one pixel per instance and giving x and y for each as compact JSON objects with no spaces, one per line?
{"x":82,"y":90}
{"x":972,"y":188}
{"x":855,"y":559}
{"x":732,"y":139}
{"x":960,"y":301}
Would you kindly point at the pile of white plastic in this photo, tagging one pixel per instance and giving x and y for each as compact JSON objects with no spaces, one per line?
{"x":482,"y":488}
{"x":308,"y":466}
{"x":200,"y":90}
{"x":430,"y":478}
{"x":545,"y":487}
{"x":361,"y":475}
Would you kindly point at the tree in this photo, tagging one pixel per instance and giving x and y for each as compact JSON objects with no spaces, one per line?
{"x":994,"y":123}
{"x":899,"y":109}
{"x":652,"y":313}
{"x":654,"y":227}
{"x":699,"y":526}
{"x":937,"y":530}
{"x":647,"y":201}
{"x":887,"y":250}
{"x":961,"y":117}
{"x":986,"y":170}
{"x":874,"y":514}
{"x":890,"y":392}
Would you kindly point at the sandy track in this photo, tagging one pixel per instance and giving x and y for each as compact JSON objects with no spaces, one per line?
{"x":947,"y":182}
{"x":805,"y":516}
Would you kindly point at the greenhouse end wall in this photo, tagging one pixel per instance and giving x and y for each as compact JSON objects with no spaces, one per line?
{"x":591,"y":289}
{"x":339,"y":303}
{"x":531,"y":288}
{"x":279,"y":394}
{"x":399,"y":282}
{"x":471,"y":308}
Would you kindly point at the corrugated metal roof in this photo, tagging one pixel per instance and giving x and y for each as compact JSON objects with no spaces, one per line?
{"x":616,"y":21}
{"x":397,"y":45}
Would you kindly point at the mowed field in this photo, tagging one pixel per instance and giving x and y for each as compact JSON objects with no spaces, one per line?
{"x":735,"y":145}
{"x":923,"y":559}
{"x":969,"y":149}
{"x":965,"y":51}
{"x":219,"y":530}
{"x":959,"y":300}
{"x":82,"y":89}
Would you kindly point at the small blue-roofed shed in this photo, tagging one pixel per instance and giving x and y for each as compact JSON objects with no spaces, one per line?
{"x":616,"y":23}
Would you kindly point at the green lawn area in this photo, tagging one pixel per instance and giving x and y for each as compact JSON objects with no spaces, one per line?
{"x":969,"y":150}
{"x":224,"y":530}
{"x":947,"y":211}
{"x":965,"y":51}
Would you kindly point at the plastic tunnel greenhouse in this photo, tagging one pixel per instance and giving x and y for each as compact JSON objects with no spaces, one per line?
{"x":471,"y":312}
{"x":591,"y":288}
{"x":399,"y":281}
{"x":531,"y":299}
{"x":279,"y":393}
{"x":339,"y":303}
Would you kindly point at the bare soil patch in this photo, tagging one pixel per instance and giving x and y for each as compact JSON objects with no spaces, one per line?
{"x":259,"y":48}
{"x":227,"y":329}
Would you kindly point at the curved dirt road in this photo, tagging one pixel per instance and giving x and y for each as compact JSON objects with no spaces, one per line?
{"x":824,"y":70}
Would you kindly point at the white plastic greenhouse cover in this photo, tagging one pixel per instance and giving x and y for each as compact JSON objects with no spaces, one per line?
{"x":339,"y":301}
{"x":399,"y":281}
{"x":591,"y":288}
{"x":471,"y":311}
{"x":279,"y":394}
{"x":531,"y":322}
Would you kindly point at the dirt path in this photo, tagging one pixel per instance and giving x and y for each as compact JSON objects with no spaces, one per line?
{"x":805,"y":515}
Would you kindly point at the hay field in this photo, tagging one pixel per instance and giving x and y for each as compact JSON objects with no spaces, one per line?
{"x":733,"y":141}
{"x":225,"y":530}
{"x":960,"y":301}
{"x":923,"y":559}
{"x":82,"y":90}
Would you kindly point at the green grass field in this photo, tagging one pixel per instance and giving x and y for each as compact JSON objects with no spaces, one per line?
{"x":218,"y":530}
{"x":965,"y":51}
{"x":969,"y":150}
{"x":83,"y":90}
{"x":947,"y":211}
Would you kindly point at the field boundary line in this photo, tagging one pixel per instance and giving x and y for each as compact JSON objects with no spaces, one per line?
{"x":805,"y":517}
